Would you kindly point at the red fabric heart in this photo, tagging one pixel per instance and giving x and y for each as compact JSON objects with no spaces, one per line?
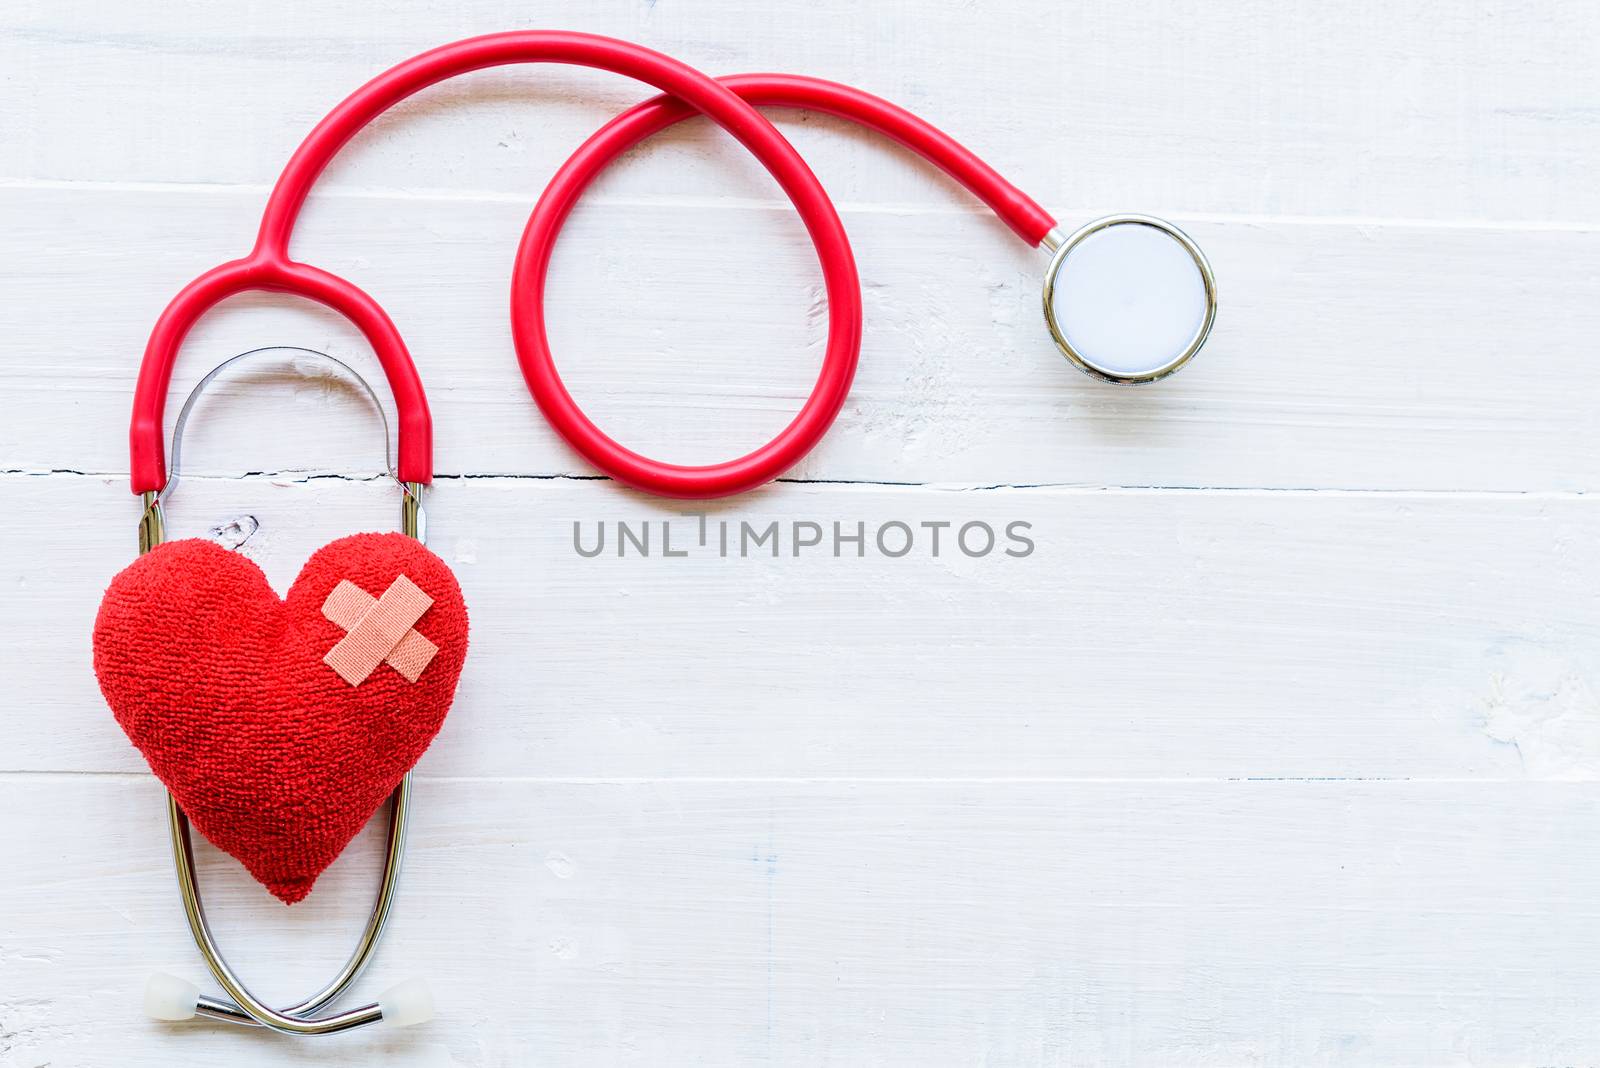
{"x":222,"y":686}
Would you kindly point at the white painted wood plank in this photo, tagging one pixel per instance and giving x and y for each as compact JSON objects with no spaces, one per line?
{"x":911,"y":923}
{"x":1149,"y":634}
{"x":1351,"y":357}
{"x":1268,"y":776}
{"x":1429,"y":110}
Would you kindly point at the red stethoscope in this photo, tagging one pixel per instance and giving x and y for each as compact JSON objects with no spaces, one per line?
{"x":1127,"y":299}
{"x":1171,"y":303}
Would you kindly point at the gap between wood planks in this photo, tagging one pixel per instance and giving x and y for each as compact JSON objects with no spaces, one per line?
{"x":844,"y":207}
{"x":878,"y":780}
{"x":300,"y":477}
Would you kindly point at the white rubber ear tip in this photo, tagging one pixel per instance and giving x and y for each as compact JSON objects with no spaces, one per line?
{"x":406,"y":1004}
{"x":166,"y":997}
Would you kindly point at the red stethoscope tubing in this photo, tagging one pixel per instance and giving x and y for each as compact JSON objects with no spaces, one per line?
{"x":1017,"y":209}
{"x":643,"y":121}
{"x":730,"y":102}
{"x":268,"y":265}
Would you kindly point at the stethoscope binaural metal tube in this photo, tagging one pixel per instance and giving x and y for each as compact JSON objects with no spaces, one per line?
{"x":170,"y":998}
{"x":268,"y":267}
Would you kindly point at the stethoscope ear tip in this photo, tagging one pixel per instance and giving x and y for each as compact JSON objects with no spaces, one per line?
{"x":406,"y":1004}
{"x":166,"y":997}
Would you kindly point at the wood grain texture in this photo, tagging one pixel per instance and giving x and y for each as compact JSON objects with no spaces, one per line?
{"x":908,"y":923}
{"x":1383,"y":357}
{"x":1148,"y":634}
{"x":1281,"y":748}
{"x":1431,"y":109}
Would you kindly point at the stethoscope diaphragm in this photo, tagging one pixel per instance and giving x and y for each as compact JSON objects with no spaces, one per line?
{"x":1129,"y":298}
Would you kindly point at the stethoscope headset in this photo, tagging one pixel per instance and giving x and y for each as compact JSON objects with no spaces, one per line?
{"x":1127,"y":299}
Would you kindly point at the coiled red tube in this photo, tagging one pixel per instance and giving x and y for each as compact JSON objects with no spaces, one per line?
{"x":1028,"y":219}
{"x":729,"y":102}
{"x":268,"y":265}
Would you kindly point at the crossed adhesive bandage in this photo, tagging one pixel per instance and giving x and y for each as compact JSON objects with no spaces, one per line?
{"x":378,"y":630}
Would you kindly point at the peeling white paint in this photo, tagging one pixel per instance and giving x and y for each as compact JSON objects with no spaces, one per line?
{"x":1539,"y":701}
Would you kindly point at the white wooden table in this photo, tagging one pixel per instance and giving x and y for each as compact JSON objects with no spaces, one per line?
{"x":1281,"y":748}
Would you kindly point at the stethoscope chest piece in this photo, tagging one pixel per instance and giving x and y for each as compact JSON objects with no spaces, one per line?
{"x":1129,"y":298}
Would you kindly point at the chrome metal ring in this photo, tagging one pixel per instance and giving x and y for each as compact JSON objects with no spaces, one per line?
{"x":1063,"y":248}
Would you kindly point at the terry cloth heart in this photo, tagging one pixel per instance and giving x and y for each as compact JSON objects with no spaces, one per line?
{"x":276,"y":757}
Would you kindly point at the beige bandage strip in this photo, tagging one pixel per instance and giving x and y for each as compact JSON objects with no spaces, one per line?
{"x":379,"y":630}
{"x":348,"y":603}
